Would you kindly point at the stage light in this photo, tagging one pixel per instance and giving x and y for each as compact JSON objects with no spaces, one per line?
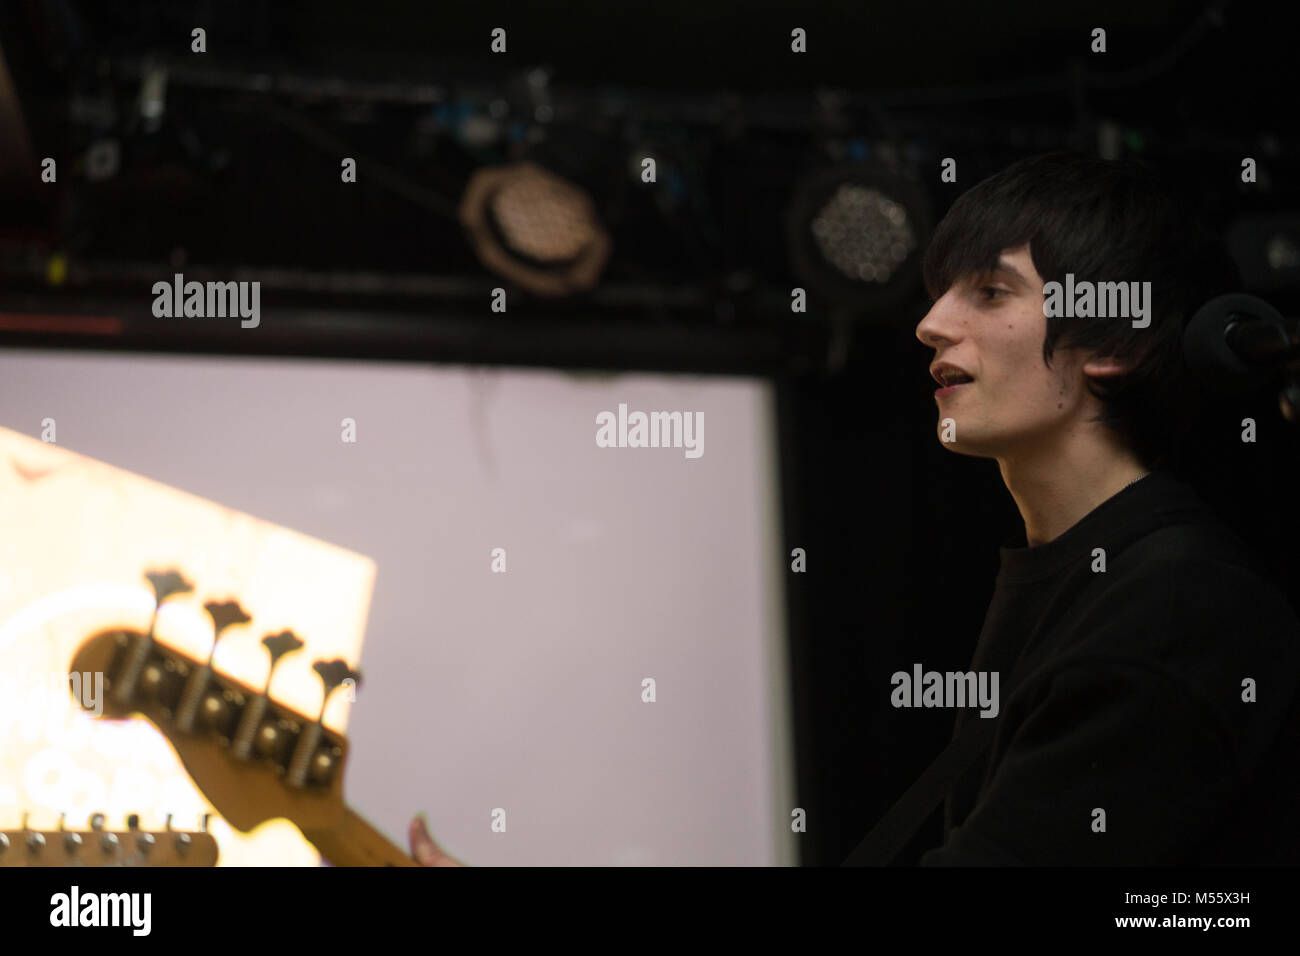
{"x":535,"y":228}
{"x":1266,"y":248}
{"x":863,"y":233}
{"x":856,"y":234}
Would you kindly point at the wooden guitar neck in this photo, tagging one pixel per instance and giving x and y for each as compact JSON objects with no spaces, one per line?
{"x":354,"y":842}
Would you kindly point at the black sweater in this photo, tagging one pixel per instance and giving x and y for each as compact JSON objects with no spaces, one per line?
{"x":1129,"y":698}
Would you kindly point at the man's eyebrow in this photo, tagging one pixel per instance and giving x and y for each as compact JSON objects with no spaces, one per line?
{"x":1002,"y":267}
{"x":1006,"y":267}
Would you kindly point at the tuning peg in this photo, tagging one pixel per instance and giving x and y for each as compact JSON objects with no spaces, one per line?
{"x":165,"y":584}
{"x":35,"y":842}
{"x":286,"y":642}
{"x":224,"y":614}
{"x":250,"y":722}
{"x":183,"y":841}
{"x":71,"y":841}
{"x":251,"y":730}
{"x":332,"y":674}
{"x":107,"y":841}
{"x":144,"y":842}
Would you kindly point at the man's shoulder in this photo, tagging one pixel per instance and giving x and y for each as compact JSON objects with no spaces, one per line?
{"x":1188,"y":590}
{"x":1203,"y":553}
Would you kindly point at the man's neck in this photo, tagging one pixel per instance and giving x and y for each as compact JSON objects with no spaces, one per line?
{"x":1054,"y":491}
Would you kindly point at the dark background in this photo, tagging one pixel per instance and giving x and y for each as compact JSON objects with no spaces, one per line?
{"x":242,"y":172}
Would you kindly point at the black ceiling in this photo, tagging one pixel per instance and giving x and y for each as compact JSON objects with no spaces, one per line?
{"x":235,"y":176}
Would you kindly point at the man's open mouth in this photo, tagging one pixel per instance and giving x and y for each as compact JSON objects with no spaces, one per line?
{"x":949,"y":376}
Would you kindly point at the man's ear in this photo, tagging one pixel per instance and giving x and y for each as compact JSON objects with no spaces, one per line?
{"x":1106,"y":367}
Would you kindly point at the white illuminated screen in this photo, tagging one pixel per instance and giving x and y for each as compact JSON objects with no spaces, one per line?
{"x":514,"y":696}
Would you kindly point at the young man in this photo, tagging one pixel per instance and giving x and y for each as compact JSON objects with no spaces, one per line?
{"x":1152,"y":719}
{"x":1149,"y":676}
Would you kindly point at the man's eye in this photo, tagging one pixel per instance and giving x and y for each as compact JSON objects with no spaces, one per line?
{"x":991,"y":292}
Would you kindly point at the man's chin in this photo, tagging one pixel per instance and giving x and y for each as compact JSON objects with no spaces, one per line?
{"x":957,"y":449}
{"x":963,"y":444}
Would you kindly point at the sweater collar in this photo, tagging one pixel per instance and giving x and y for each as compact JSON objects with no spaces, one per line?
{"x":1146,"y":504}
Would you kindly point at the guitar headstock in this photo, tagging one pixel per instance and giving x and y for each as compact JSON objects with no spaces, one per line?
{"x":97,"y":846}
{"x":252,"y":757}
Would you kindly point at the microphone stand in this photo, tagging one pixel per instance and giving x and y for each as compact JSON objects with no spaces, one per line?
{"x":1268,"y":340}
{"x":1255,"y":339}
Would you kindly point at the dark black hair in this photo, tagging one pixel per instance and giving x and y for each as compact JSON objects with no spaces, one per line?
{"x":1103,"y":221}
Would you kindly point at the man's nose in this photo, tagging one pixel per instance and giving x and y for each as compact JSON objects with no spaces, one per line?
{"x":939,"y":327}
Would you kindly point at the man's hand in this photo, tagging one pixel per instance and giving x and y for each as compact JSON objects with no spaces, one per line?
{"x":424,"y":848}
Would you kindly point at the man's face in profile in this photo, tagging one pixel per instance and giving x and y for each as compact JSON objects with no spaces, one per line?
{"x":992,"y":327}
